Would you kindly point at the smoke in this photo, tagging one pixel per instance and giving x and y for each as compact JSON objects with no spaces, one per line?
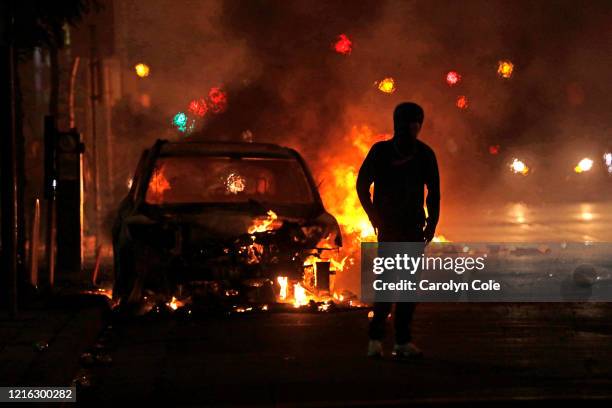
{"x":286,"y":85}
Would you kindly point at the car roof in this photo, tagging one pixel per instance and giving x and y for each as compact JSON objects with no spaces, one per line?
{"x":225,"y":148}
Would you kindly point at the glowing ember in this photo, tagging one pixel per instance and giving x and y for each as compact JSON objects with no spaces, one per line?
{"x":462,"y":102}
{"x":269,"y":223}
{"x":282,"y":282}
{"x":387,"y":85}
{"x":505,"y":69}
{"x":299,"y":295}
{"x":217,"y":100}
{"x":494,"y":149}
{"x":198,"y":107}
{"x":142,"y":70}
{"x":453,"y":78}
{"x":235,"y":183}
{"x":343,"y":45}
{"x":519,"y":167}
{"x":585,"y":164}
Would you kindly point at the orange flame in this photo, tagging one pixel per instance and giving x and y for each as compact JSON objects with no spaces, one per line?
{"x":265,"y":224}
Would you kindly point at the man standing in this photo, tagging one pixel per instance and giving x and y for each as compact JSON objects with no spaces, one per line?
{"x":400,"y":168}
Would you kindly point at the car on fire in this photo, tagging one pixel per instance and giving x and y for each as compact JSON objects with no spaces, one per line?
{"x":220,"y":221}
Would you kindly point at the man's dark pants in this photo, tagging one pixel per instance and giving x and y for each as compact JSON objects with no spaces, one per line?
{"x":403,"y":310}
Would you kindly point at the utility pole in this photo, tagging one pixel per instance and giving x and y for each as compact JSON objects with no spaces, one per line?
{"x":10,"y":187}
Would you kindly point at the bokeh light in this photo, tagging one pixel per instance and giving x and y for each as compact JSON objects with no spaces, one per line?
{"x":505,"y":69}
{"x":198,"y":107}
{"x":387,"y":85}
{"x":584,"y":165}
{"x":217,"y":100}
{"x":462,"y":102}
{"x":453,"y":78}
{"x":343,"y":45}
{"x":519,"y":167}
{"x":142,"y":70}
{"x":494,"y":149}
{"x":608,"y":161}
{"x":180,"y":121}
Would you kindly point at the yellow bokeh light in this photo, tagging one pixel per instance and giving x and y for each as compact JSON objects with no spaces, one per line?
{"x":585,"y":164}
{"x":387,"y":85}
{"x":505,"y":69}
{"x":142,"y":70}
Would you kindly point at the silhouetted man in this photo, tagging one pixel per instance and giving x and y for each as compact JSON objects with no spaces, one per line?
{"x":400,"y":168}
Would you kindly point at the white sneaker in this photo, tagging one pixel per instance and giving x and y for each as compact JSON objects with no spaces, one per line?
{"x":408,"y":350}
{"x":375,"y":349}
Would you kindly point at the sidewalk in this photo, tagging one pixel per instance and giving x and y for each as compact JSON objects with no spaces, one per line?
{"x":41,"y":347}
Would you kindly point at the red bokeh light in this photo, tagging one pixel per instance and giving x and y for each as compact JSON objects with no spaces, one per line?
{"x":217,"y":100}
{"x":198,"y":107}
{"x":494,"y":149}
{"x":453,"y":78}
{"x":343,"y":45}
{"x":462,"y":102}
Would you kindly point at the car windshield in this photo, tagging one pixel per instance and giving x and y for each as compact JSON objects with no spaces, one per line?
{"x":214,"y":179}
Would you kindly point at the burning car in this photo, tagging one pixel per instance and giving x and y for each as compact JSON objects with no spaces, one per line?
{"x":222,"y":221}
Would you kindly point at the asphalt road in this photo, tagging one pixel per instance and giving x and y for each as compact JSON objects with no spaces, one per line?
{"x":491,"y":354}
{"x":473,"y":353}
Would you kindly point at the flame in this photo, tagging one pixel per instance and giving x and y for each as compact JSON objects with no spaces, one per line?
{"x":299,"y":295}
{"x":338,"y":265}
{"x":339,"y":180}
{"x":440,"y":238}
{"x":387,"y":85}
{"x":175,"y":303}
{"x":505,"y":69}
{"x":264,"y":224}
{"x":585,"y":164}
{"x":158,"y":185}
{"x":282,"y":281}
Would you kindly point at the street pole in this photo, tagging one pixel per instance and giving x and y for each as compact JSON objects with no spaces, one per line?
{"x":93,"y":97}
{"x":10,"y":187}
